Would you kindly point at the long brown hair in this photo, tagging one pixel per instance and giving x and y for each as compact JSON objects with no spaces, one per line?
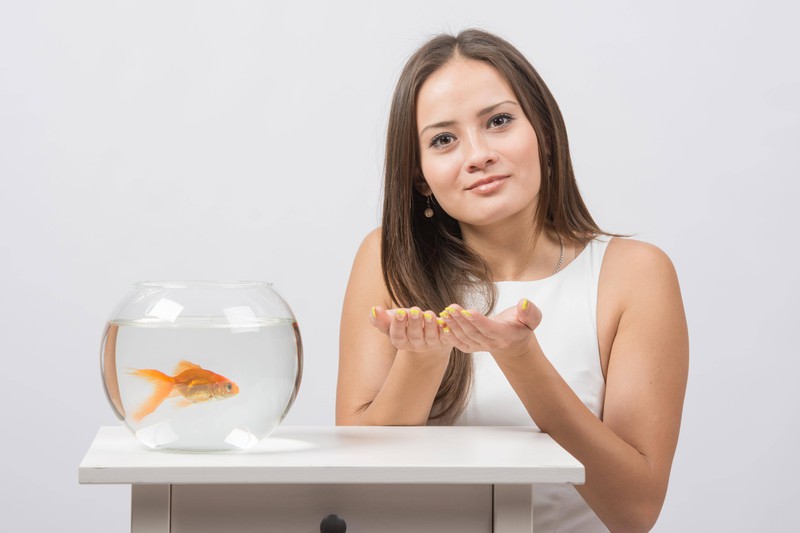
{"x":425,"y":261}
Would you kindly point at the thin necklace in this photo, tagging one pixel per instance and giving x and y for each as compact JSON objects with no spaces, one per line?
{"x":560,"y":257}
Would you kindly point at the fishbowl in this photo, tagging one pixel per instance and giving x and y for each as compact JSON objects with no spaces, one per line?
{"x":200,"y":365}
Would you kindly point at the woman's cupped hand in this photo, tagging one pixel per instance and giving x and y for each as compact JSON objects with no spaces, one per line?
{"x":414,"y":330}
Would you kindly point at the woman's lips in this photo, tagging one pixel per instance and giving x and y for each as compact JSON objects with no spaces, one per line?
{"x":488,"y":186}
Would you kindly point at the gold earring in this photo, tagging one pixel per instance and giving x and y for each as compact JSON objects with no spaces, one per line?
{"x":429,"y":209}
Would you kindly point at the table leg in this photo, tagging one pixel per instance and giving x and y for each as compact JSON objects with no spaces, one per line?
{"x":513,"y":509}
{"x":150,"y":508}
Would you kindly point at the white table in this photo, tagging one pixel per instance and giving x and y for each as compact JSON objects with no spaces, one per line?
{"x":376,"y":478}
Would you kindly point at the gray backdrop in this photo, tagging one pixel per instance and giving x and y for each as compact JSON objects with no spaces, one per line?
{"x":240,"y":140}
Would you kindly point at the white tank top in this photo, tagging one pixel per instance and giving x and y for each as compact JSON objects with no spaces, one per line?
{"x":568,"y":337}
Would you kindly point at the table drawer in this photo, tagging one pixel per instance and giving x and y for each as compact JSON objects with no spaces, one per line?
{"x":301,"y":508}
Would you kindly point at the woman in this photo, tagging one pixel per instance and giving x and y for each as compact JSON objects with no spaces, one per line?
{"x":573,"y":330}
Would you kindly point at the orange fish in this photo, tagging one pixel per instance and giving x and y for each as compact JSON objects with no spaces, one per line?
{"x":191,"y":381}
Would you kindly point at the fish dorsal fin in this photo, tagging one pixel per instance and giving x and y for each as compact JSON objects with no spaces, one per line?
{"x":183,"y":366}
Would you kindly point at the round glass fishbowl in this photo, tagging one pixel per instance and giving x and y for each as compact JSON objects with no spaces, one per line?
{"x":200,"y":365}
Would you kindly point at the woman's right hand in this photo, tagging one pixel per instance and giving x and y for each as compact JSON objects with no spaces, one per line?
{"x":381,"y":381}
{"x":412,"y":330}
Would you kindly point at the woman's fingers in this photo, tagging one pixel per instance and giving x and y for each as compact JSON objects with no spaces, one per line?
{"x":457,"y":329}
{"x":471,"y":331}
{"x":380,"y":318}
{"x":466,"y":329}
{"x":408,"y":329}
{"x":397,"y":328}
{"x":414,"y":323}
{"x":430,"y":328}
{"x":528,"y":314}
{"x":473,"y":324}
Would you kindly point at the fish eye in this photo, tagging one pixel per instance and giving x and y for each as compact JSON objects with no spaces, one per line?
{"x":228,"y":387}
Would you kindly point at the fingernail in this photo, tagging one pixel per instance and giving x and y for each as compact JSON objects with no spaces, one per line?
{"x":450,"y":310}
{"x":446,"y":329}
{"x":444,"y":314}
{"x":525,"y":304}
{"x":414,"y":313}
{"x":401,"y":314}
{"x":374,"y":313}
{"x":466,"y":314}
{"x":427,"y":316}
{"x":441,"y":322}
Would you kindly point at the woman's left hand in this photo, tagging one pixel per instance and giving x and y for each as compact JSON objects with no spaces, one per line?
{"x":506,"y":334}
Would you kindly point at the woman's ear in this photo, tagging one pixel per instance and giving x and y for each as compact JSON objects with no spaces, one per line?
{"x":422,"y":186}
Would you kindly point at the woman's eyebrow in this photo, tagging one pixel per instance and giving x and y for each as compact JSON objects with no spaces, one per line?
{"x":444,"y":124}
{"x":484,"y":111}
{"x":491,"y":108}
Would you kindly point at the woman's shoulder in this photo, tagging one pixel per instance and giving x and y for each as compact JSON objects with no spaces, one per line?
{"x":632,"y":265}
{"x":366,"y":277}
{"x":373,"y":238}
{"x":636,"y":254}
{"x":370,"y":247}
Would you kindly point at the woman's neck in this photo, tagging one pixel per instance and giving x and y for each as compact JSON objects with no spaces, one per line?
{"x":510,"y":251}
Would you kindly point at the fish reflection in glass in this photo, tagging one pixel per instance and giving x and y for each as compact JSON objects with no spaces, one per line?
{"x":190,"y":381}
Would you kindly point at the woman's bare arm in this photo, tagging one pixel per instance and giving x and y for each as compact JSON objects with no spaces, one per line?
{"x":628,"y":454}
{"x":398,"y":386}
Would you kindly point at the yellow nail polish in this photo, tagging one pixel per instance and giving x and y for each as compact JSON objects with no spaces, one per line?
{"x":450,"y":310}
{"x":374,"y":313}
{"x":444,"y":314}
{"x":400,"y":313}
{"x":440,"y":322}
{"x":427,"y":316}
{"x":465,"y":313}
{"x":414,"y":313}
{"x":446,"y":329}
{"x":525,"y":304}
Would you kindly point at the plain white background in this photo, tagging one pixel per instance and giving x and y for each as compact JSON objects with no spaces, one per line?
{"x":244,"y":140}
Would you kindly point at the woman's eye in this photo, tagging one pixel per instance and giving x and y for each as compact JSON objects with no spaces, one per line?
{"x":443,"y":140}
{"x":498,"y":121}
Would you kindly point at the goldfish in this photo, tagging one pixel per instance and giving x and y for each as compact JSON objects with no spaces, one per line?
{"x":191,"y":381}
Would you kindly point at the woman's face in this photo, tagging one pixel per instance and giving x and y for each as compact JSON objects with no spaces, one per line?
{"x":478,"y":151}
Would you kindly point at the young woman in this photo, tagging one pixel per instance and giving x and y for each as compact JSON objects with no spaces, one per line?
{"x":489,"y":296}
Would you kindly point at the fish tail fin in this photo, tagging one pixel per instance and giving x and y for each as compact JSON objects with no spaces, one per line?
{"x":162,"y":387}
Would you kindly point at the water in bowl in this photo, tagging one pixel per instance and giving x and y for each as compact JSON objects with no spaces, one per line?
{"x":247,"y":379}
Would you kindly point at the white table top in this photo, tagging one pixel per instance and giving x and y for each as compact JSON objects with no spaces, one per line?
{"x":446,"y":455}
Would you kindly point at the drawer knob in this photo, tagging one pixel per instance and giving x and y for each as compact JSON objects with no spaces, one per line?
{"x":332,"y":524}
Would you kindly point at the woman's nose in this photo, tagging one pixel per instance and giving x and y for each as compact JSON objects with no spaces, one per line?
{"x":480,"y":154}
